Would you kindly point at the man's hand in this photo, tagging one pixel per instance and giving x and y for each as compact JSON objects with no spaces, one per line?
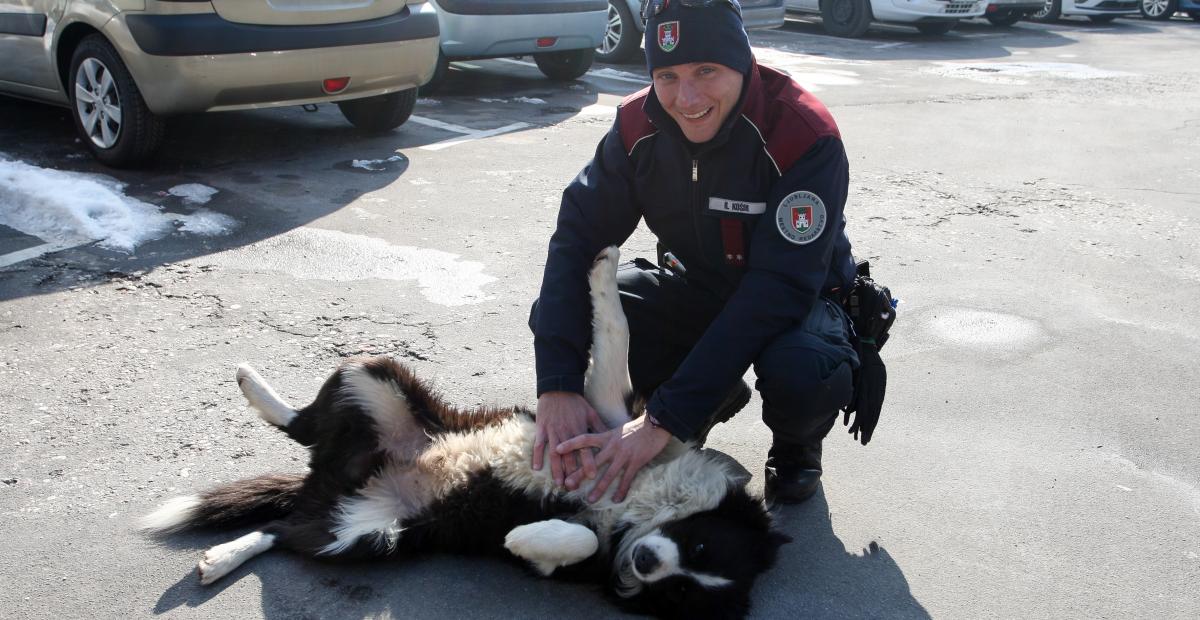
{"x":626,"y":449}
{"x":562,"y":416}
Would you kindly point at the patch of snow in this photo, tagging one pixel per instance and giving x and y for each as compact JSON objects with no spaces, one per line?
{"x":375,"y":165}
{"x":204,"y":222}
{"x":490,"y":100}
{"x":73,"y":208}
{"x":1012,"y":72}
{"x":598,"y":109}
{"x":431,"y":102}
{"x":194,"y":193}
{"x":610,"y":72}
{"x":533,"y":100}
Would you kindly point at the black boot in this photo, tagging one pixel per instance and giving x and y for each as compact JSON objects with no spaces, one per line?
{"x":793,"y":472}
{"x":733,"y":403}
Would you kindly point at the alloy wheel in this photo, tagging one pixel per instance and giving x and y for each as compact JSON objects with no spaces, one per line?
{"x":1045,"y":10}
{"x":1155,"y":8}
{"x":98,"y":103}
{"x":612,"y":35}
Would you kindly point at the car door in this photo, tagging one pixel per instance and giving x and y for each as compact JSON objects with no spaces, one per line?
{"x":24,"y":54}
{"x":811,"y":6}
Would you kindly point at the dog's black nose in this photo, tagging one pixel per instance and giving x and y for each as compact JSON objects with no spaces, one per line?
{"x":644,"y":560}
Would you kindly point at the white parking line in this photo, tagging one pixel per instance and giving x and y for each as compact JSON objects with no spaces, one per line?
{"x":890,"y":45}
{"x":13,"y":258}
{"x":440,"y":125}
{"x":471,"y":134}
{"x":607,"y":74}
{"x":474,"y":135}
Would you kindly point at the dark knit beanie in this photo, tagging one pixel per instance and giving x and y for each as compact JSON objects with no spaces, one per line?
{"x":682,"y":34}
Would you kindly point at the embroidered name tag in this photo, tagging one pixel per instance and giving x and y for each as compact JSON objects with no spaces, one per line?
{"x":741,"y":207}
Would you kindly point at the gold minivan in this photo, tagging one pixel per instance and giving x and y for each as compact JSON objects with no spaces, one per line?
{"x":123,"y":65}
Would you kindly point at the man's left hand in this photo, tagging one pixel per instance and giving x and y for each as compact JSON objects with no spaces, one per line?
{"x":626,"y":449}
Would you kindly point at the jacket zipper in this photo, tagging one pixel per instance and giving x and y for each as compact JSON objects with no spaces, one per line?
{"x":697,"y":211}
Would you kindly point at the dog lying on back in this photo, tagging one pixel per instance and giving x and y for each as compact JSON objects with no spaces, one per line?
{"x":394,"y":469}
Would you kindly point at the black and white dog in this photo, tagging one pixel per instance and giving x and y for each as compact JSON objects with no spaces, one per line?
{"x":394,"y":470}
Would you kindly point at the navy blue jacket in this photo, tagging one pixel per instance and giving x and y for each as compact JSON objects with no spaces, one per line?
{"x":715,"y":206}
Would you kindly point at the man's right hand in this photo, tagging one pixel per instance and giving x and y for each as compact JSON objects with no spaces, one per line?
{"x":562,"y":416}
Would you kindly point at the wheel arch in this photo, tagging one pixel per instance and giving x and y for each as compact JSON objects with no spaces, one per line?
{"x":68,"y":39}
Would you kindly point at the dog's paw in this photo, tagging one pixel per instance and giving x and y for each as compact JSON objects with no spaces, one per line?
{"x":262,"y":398}
{"x":222,"y":559}
{"x":216,"y":563}
{"x":603,"y":276}
{"x":552,"y":543}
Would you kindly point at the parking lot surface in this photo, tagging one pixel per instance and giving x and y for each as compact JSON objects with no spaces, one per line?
{"x":1030,"y":194}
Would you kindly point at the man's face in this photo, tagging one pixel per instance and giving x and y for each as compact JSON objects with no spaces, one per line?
{"x":698,"y":95}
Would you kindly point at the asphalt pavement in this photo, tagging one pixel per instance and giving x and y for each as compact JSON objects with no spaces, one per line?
{"x":1030,"y":194}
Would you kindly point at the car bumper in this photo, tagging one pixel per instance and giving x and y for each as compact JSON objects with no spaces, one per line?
{"x":269,"y":66}
{"x":770,"y":16}
{"x":1101,"y":7}
{"x":1014,"y":7}
{"x":913,"y":11}
{"x":471,"y":36}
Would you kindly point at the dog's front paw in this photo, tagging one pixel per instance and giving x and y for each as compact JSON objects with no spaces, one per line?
{"x":552,"y":543}
{"x":603,"y":276}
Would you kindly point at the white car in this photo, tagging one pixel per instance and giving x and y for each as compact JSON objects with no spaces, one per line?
{"x":623,"y":35}
{"x":1096,"y":10}
{"x":560,"y":35}
{"x":851,"y":18}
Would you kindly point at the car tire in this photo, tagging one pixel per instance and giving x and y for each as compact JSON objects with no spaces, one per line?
{"x":110,"y":115}
{"x":1049,"y":13}
{"x":380,"y":113}
{"x":438,"y":79}
{"x":846,"y":18}
{"x":1004,"y":18}
{"x":566,"y":65}
{"x":621,"y":37}
{"x":1158,"y":10}
{"x":934,"y":29}
{"x":1101,"y":19}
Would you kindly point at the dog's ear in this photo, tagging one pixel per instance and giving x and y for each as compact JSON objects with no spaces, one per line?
{"x":740,"y":506}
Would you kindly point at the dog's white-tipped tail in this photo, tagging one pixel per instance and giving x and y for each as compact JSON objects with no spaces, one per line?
{"x":262,"y":398}
{"x":171,"y":516}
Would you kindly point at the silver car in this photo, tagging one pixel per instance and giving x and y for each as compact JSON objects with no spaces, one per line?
{"x":123,"y":65}
{"x":559,"y":35}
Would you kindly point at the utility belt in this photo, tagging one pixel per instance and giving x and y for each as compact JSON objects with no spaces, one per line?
{"x":872,"y":311}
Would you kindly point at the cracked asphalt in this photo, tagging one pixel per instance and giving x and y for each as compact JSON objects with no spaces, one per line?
{"x":1029,"y":193}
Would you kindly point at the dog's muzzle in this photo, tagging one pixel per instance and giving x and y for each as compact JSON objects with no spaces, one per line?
{"x":645,"y":561}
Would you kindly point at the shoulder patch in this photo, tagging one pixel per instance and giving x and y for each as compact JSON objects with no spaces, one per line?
{"x":800,"y":217}
{"x":793,"y":118}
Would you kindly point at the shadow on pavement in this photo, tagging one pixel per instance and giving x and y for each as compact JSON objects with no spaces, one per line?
{"x":817,"y":577}
{"x":814,"y":577}
{"x":276,"y":169}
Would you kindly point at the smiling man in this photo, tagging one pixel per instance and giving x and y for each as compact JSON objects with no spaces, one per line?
{"x":742,"y":176}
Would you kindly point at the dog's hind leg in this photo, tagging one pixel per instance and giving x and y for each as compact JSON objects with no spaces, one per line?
{"x":299,"y":424}
{"x":550,"y":544}
{"x":222,"y":559}
{"x":607,"y":385}
{"x":263,"y":399}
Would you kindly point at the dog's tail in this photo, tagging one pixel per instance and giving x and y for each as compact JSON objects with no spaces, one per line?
{"x":245,"y":502}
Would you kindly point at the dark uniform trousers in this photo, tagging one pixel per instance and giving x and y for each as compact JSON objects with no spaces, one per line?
{"x":804,"y":375}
